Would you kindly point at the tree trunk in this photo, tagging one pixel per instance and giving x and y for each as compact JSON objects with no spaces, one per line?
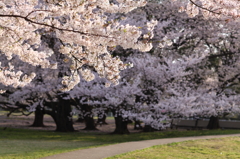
{"x":121,"y":126}
{"x":63,"y":116}
{"x":88,"y":118}
{"x":149,"y":128}
{"x":213,"y":123}
{"x":38,"y":119}
{"x":102,"y":119}
{"x":90,"y":124}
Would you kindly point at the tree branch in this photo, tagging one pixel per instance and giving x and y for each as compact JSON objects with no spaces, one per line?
{"x":212,"y":11}
{"x":51,"y":26}
{"x":37,"y":11}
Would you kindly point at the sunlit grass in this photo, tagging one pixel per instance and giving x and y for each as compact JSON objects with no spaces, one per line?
{"x":199,"y":149}
{"x":23,"y":149}
{"x":25,"y":143}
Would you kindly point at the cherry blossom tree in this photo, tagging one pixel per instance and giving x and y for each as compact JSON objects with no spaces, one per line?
{"x":85,"y":31}
{"x":93,"y":98}
{"x":193,"y":56}
{"x":193,"y":76}
{"x":219,"y":40}
{"x":213,"y":8}
{"x":88,"y":98}
{"x":67,"y":40}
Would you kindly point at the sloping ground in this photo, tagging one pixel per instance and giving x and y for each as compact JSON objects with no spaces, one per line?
{"x":111,"y":150}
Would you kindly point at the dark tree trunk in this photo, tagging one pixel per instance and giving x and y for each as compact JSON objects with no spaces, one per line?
{"x":90,"y":124}
{"x":38,"y":119}
{"x":121,"y":126}
{"x":148,"y":128}
{"x":63,"y":116}
{"x":88,"y":118}
{"x":213,"y":123}
{"x":102,"y":119}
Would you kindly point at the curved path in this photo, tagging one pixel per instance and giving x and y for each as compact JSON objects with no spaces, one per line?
{"x":111,"y":150}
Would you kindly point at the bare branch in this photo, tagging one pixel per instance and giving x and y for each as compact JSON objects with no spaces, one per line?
{"x":212,"y":11}
{"x":37,"y":11}
{"x":52,"y":26}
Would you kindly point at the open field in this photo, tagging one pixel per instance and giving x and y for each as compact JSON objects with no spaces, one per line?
{"x":26,"y":143}
{"x":222,"y":148}
{"x":20,"y":141}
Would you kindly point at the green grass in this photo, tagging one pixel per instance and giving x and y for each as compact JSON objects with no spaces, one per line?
{"x":24,"y":143}
{"x":3,"y":112}
{"x":221,"y":148}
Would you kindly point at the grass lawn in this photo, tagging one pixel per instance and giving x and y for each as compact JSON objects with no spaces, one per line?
{"x":222,"y":148}
{"x":29,"y":144}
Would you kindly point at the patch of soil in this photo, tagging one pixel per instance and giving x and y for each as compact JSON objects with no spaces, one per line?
{"x":25,"y":122}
